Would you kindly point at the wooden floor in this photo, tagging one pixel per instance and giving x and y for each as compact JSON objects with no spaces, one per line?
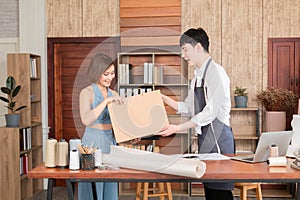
{"x":60,"y":193}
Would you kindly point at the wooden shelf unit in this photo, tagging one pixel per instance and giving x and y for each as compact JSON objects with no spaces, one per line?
{"x":19,"y":65}
{"x":171,"y":76}
{"x":245,"y":123}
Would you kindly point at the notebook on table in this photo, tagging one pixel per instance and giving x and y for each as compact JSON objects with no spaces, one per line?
{"x":280,"y":138}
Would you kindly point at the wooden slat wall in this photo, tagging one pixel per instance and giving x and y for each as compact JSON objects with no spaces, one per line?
{"x":152,"y":23}
{"x":234,"y":28}
{"x":241,"y":44}
{"x":64,"y":18}
{"x":255,"y":20}
{"x":208,"y":15}
{"x":239,"y":31}
{"x":83,"y":18}
{"x":100,"y":18}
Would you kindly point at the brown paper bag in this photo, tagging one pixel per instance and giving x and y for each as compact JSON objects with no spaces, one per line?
{"x":140,"y":115}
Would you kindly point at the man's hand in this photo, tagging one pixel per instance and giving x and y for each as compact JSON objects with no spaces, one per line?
{"x":169,"y":130}
{"x":135,"y":141}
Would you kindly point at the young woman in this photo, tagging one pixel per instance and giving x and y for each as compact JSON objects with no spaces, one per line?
{"x":93,"y":101}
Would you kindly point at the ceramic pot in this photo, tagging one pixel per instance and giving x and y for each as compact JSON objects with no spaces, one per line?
{"x":12,"y":120}
{"x":275,"y":121}
{"x":241,"y":101}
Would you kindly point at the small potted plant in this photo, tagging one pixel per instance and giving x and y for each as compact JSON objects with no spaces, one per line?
{"x":11,"y":90}
{"x":277,"y":102}
{"x":240,"y":97}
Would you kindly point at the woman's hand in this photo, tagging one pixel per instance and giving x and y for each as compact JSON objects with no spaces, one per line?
{"x":117,"y":99}
{"x":169,"y":130}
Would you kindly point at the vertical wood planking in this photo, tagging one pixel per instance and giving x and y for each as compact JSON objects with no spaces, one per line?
{"x":9,"y":168}
{"x":64,"y":18}
{"x":205,"y":14}
{"x":241,"y":51}
{"x":100,"y":18}
{"x":242,"y":42}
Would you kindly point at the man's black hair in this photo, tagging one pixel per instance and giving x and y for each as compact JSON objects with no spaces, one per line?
{"x":194,"y":36}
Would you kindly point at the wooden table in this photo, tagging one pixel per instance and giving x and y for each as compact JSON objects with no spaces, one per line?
{"x":217,"y":171}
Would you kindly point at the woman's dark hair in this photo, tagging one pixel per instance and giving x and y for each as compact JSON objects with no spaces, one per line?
{"x":194,"y":36}
{"x":97,"y":67}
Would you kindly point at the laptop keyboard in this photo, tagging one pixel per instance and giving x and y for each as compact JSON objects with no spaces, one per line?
{"x":249,"y":159}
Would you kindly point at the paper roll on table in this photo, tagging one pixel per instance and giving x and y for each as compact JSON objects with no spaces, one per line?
{"x":277,"y":161}
{"x":154,"y":162}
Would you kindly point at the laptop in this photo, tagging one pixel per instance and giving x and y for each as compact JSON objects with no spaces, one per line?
{"x":281,"y":138}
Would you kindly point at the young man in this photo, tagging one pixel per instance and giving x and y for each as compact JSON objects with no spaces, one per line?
{"x":208,"y":103}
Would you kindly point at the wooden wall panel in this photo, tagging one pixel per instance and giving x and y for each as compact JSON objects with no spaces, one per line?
{"x":241,"y":44}
{"x":83,"y":18}
{"x":149,"y":24}
{"x":242,"y":53}
{"x":205,"y":14}
{"x":64,"y":18}
{"x":238,"y":29}
{"x":101,"y":18}
{"x":149,"y":3}
{"x":239,"y":32}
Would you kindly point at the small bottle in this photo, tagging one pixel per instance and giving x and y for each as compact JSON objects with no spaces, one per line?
{"x":273,"y":151}
{"x":74,"y":160}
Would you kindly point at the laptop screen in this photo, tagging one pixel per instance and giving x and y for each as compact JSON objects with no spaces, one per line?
{"x":281,"y":139}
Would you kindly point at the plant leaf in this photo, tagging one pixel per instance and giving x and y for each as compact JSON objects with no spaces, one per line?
{"x":16,"y":91}
{"x":4,"y":99}
{"x":10,"y":83}
{"x":5,"y":90}
{"x":21,"y":107}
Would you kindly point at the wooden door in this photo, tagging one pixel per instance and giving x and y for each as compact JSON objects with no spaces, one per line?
{"x":68,"y":60}
{"x":284,"y":67}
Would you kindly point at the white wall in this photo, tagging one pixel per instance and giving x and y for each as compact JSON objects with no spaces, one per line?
{"x":33,"y":39}
{"x":7,"y":45}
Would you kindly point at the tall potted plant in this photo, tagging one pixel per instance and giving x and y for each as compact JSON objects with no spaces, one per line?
{"x":277,"y":102}
{"x":11,"y":90}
